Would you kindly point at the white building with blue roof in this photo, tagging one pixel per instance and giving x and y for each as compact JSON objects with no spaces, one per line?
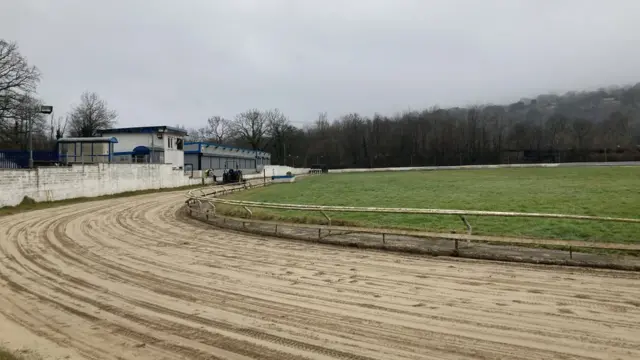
{"x":147,"y":144}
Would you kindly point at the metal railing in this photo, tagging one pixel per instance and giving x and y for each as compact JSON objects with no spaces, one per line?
{"x":207,"y":201}
{"x":18,"y":159}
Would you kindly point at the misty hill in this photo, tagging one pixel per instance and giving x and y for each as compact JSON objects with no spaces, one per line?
{"x":600,"y":125}
{"x":590,"y":105}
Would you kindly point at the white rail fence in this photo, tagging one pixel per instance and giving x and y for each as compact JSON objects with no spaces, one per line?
{"x":208,"y":198}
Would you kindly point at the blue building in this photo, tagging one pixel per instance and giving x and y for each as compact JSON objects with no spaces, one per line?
{"x":205,"y":155}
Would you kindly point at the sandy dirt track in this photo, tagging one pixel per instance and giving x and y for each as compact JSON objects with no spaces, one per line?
{"x":133,"y":278}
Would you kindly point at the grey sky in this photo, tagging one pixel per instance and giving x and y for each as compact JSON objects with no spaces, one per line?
{"x":178,"y":62}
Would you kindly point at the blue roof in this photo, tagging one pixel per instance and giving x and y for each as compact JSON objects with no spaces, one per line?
{"x":202,"y":144}
{"x":88,"y":139}
{"x":142,"y":129}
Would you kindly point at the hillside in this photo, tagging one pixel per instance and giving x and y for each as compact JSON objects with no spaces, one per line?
{"x":600,"y":125}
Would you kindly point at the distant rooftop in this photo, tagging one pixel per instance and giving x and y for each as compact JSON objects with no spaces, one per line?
{"x":143,"y":129}
{"x":204,"y":144}
{"x":89,"y":139}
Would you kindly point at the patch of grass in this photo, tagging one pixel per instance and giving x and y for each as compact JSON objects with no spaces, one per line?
{"x":28,"y":204}
{"x":597,"y":191}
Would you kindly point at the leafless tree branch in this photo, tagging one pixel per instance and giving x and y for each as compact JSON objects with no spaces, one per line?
{"x":91,"y":115}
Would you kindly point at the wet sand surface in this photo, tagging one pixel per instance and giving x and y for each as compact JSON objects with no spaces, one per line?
{"x":133,"y":278}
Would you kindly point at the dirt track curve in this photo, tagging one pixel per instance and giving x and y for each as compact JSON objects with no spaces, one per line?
{"x":134,"y":279}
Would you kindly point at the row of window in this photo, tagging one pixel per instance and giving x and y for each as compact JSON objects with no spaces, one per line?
{"x":210,"y":162}
{"x":84,"y":148}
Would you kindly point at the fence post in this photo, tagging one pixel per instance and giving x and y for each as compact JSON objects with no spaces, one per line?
{"x":249,"y":211}
{"x":328,"y":219}
{"x":383,"y":239}
{"x":466,"y":223}
{"x":213,"y":207}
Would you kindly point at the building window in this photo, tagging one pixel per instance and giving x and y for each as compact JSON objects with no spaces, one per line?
{"x":170,"y":142}
{"x":179,"y":143}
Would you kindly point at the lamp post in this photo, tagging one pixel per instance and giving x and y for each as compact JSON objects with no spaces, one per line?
{"x":43,"y":109}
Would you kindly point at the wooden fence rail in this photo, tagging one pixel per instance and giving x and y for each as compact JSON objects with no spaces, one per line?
{"x":418,"y":211}
{"x":208,"y":198}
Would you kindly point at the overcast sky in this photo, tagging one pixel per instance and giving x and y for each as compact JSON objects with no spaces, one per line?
{"x":171,"y":62}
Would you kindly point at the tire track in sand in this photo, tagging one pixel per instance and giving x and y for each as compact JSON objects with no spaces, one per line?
{"x":134,"y":278}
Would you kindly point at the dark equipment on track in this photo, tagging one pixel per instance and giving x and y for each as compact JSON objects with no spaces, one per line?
{"x":230,"y":176}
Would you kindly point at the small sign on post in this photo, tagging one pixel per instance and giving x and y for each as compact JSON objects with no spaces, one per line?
{"x":46,"y":109}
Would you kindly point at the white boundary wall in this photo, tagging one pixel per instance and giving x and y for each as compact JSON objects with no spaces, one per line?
{"x":275,"y":170}
{"x":501,"y":166}
{"x":60,"y":183}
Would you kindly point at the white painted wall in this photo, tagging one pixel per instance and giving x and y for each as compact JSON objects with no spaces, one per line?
{"x":172,"y":155}
{"x":127,"y":142}
{"x":59,"y":183}
{"x":276,"y":170}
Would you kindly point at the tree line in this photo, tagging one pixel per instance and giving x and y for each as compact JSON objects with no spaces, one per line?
{"x":601,"y":125}
{"x":20,"y":107}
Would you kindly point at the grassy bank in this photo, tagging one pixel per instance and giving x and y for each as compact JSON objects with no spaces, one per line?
{"x":597,"y":191}
{"x":30,"y":205}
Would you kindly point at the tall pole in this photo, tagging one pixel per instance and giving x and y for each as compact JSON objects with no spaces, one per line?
{"x":30,"y":141}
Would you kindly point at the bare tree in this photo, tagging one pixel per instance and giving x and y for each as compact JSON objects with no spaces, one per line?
{"x":276,"y":122}
{"x":250,"y":127}
{"x":25,"y":117}
{"x":194,"y":134}
{"x":58,"y":128}
{"x":557,"y":128}
{"x":17,"y":80}
{"x":92,"y":114}
{"x":279,"y":131}
{"x":217,"y":129}
{"x":582,"y":128}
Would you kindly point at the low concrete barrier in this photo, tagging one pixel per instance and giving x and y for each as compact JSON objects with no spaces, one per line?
{"x":275,"y":170}
{"x":499,"y":166}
